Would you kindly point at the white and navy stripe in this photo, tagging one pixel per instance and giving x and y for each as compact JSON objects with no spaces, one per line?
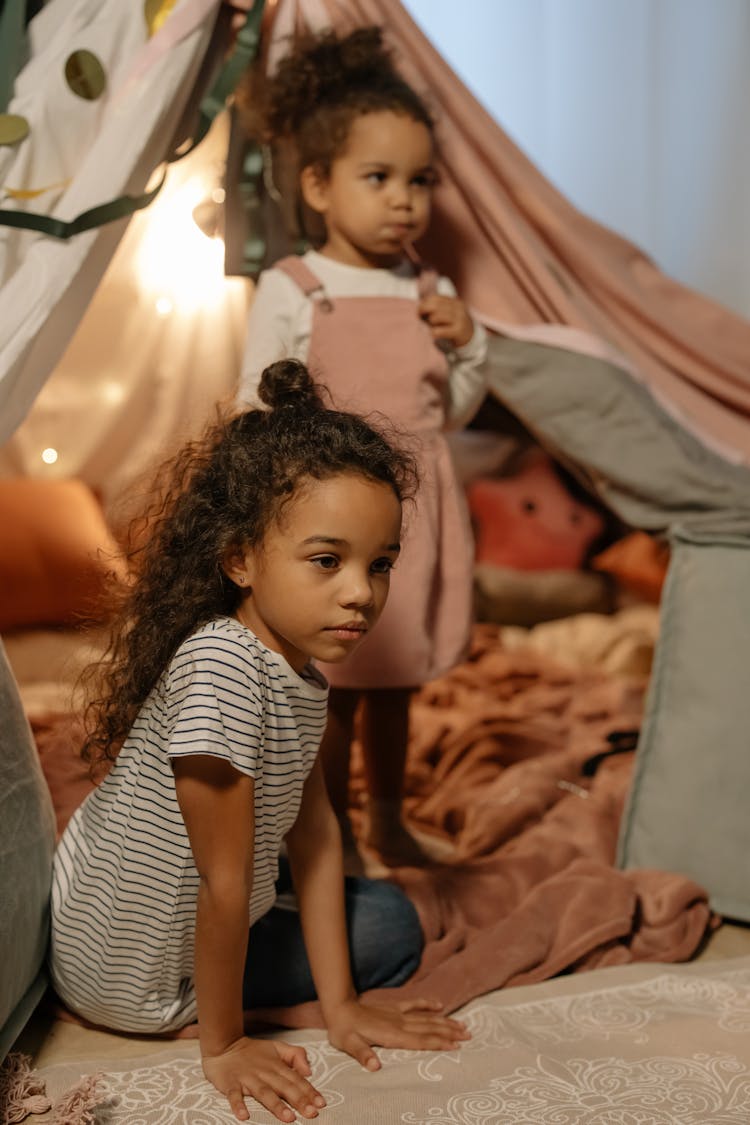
{"x":124,"y":884}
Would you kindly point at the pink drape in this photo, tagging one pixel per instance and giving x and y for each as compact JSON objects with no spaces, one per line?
{"x":522,"y":255}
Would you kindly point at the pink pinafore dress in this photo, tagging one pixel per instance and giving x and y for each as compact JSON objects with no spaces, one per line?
{"x":376,"y":356}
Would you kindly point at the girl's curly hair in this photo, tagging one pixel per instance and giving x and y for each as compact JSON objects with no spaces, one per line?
{"x":322,"y":85}
{"x":220,"y":492}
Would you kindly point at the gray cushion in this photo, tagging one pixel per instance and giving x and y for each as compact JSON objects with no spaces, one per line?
{"x":27,"y":840}
{"x":688,"y":805}
{"x":687,"y":810}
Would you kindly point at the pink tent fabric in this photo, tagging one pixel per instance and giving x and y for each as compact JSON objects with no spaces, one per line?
{"x":522,"y":255}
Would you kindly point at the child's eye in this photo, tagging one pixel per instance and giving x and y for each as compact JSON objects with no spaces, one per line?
{"x":325,"y":562}
{"x":382,"y":566}
{"x":424,"y":180}
{"x":376,"y":177}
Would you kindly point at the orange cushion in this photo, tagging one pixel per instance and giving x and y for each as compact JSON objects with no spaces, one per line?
{"x":638,"y":562}
{"x":56,"y":554}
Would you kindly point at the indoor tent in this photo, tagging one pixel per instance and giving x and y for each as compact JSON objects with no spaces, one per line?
{"x":639,"y":386}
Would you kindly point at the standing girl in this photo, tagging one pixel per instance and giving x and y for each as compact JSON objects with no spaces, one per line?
{"x":272,"y":544}
{"x":382,"y":333}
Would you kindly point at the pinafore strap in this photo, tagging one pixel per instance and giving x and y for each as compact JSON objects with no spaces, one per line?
{"x":301,"y":275}
{"x":311,"y":285}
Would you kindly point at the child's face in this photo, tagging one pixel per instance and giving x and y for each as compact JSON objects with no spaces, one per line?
{"x":377,"y":198}
{"x":319,"y":580}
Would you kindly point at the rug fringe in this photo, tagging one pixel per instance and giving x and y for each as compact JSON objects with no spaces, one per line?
{"x":22,"y":1092}
{"x":77,"y":1106}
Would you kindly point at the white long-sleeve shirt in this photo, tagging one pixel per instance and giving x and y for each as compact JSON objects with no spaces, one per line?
{"x":280,"y":324}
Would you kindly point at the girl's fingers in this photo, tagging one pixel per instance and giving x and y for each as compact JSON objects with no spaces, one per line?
{"x":296,"y":1058}
{"x":413,"y":1024}
{"x":273,"y":1103}
{"x":439,"y":319}
{"x":444,"y":1031}
{"x":437,"y":314}
{"x":237,"y":1104}
{"x":361,"y":1050}
{"x":426,"y":1033}
{"x":282,"y":1091}
{"x":446,"y":1035}
{"x":422,"y":1039}
{"x":281,"y":1097}
{"x":420,"y":1005}
{"x":275,"y":1074}
{"x":418,"y":1010}
{"x":437,"y":301}
{"x":438,"y":1043}
{"x":427,"y":1019}
{"x":426,"y":304}
{"x":299,"y":1093}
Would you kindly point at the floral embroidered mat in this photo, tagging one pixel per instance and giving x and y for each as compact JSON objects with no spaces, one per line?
{"x":638,"y":1043}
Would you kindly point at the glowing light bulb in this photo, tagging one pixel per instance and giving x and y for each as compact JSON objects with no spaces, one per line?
{"x":176,"y":262}
{"x":49,"y":456}
{"x":112,"y":393}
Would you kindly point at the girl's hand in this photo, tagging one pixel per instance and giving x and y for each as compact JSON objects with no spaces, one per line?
{"x":416,"y":1024}
{"x":447,"y":318}
{"x":272,"y":1072}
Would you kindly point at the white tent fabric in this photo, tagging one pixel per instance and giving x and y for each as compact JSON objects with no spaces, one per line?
{"x":84,"y":153}
{"x":159,"y":344}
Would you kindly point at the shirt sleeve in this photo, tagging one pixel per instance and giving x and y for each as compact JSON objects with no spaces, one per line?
{"x":467,"y":379}
{"x":278,"y":327}
{"x":215,"y":704}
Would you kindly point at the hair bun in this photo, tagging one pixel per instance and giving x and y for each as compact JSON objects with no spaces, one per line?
{"x":286,"y":384}
{"x":323,"y":70}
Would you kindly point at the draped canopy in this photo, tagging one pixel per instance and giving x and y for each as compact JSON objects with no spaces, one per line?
{"x":528,"y":263}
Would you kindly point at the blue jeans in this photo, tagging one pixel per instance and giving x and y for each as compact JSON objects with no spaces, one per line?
{"x":385,"y":944}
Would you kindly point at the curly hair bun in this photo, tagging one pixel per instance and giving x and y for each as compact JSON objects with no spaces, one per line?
{"x":286,"y":384}
{"x":326,"y":70}
{"x":360,"y":58}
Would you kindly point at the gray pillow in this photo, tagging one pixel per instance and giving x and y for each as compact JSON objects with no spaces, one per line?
{"x":687,"y":810}
{"x":27,"y":841}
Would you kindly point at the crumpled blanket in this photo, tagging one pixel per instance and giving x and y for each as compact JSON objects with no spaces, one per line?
{"x":496,"y":767}
{"x":496,"y":763}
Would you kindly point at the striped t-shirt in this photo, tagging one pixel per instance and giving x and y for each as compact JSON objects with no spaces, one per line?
{"x":125,"y":886}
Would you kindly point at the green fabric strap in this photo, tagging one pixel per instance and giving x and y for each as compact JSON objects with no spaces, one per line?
{"x":245,"y":50}
{"x":95,"y":217}
{"x":12,"y":33}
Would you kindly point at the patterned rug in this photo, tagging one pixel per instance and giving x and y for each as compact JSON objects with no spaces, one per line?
{"x":636,"y":1045}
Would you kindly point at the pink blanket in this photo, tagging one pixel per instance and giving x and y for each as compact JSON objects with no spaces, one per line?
{"x":496,"y":764}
